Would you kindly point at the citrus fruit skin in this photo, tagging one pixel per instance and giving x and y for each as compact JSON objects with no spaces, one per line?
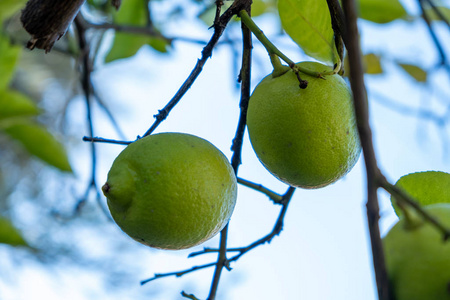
{"x":171,"y":190}
{"x":305,"y":137}
{"x":418,"y":259}
{"x":427,"y":187}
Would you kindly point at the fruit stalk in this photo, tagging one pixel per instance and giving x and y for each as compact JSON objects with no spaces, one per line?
{"x":272,"y":49}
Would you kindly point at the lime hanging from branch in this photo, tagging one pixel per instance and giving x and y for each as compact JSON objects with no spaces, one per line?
{"x":305,"y":137}
{"x":171,"y":190}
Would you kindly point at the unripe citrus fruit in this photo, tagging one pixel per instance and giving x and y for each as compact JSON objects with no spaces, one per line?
{"x":305,"y":137}
{"x":427,"y":188}
{"x":418,"y":258}
{"x":171,"y":190}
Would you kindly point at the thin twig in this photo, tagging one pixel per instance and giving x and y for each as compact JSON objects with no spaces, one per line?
{"x":351,"y":40}
{"x":103,"y":140}
{"x":86,"y":84}
{"x":437,"y":43}
{"x":425,"y":114}
{"x":242,"y":250}
{"x":277,"y":228}
{"x":236,"y":143}
{"x":142,"y":30}
{"x":189,"y":296}
{"x":403,"y":197}
{"x":276,"y":198}
{"x":178,"y":273}
{"x":206,"y":53}
{"x":438,"y":13}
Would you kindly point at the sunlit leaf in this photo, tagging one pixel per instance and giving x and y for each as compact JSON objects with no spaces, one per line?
{"x":308,"y":23}
{"x":39,"y":142}
{"x":159,"y":44}
{"x":372,"y":64}
{"x":260,"y":7}
{"x":381,"y":11}
{"x":14,"y":104}
{"x":415,"y":72}
{"x":9,"y":234}
{"x":9,"y":55}
{"x":125,"y":45}
{"x":132,"y":12}
{"x":9,"y":7}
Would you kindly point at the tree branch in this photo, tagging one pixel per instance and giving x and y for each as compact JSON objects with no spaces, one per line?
{"x":48,"y":20}
{"x":351,"y":40}
{"x":206,"y":53}
{"x":437,"y":43}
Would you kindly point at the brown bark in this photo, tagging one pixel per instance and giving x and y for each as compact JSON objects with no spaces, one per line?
{"x":48,"y":20}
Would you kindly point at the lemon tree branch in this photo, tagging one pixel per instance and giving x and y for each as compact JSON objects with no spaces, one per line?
{"x":178,"y":273}
{"x":206,"y":53}
{"x":236,"y":143}
{"x":351,"y":40}
{"x":277,"y":228}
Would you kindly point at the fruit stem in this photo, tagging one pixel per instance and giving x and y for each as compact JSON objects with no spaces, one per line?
{"x":273,"y":50}
{"x":278,"y":68}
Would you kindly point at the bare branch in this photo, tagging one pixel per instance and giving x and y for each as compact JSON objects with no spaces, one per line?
{"x":437,"y":43}
{"x":206,"y":53}
{"x":178,"y":273}
{"x":351,"y":40}
{"x":278,"y":227}
{"x":103,"y":140}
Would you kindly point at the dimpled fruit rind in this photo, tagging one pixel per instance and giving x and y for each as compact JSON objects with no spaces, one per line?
{"x":171,"y":190}
{"x":305,"y":137}
{"x":418,"y":258}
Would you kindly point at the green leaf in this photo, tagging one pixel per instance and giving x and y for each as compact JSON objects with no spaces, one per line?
{"x":308,"y":23}
{"x":415,"y":72}
{"x":9,"y":55}
{"x":15,"y":104}
{"x":445,"y":12}
{"x":9,"y":7}
{"x":372,"y":64}
{"x":125,"y":45}
{"x":39,"y":142}
{"x":132,"y":12}
{"x":381,"y":11}
{"x":159,"y":44}
{"x":9,"y":234}
{"x":427,"y":188}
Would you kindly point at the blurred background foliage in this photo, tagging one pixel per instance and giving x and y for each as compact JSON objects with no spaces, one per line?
{"x":46,"y":206}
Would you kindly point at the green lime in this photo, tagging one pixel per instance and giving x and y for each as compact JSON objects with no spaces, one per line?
{"x":171,"y":190}
{"x":305,"y":137}
{"x":418,"y":258}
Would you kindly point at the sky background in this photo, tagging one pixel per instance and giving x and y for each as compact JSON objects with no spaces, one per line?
{"x":323,"y":251}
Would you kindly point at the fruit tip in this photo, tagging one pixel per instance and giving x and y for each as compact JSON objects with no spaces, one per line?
{"x":105,"y":188}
